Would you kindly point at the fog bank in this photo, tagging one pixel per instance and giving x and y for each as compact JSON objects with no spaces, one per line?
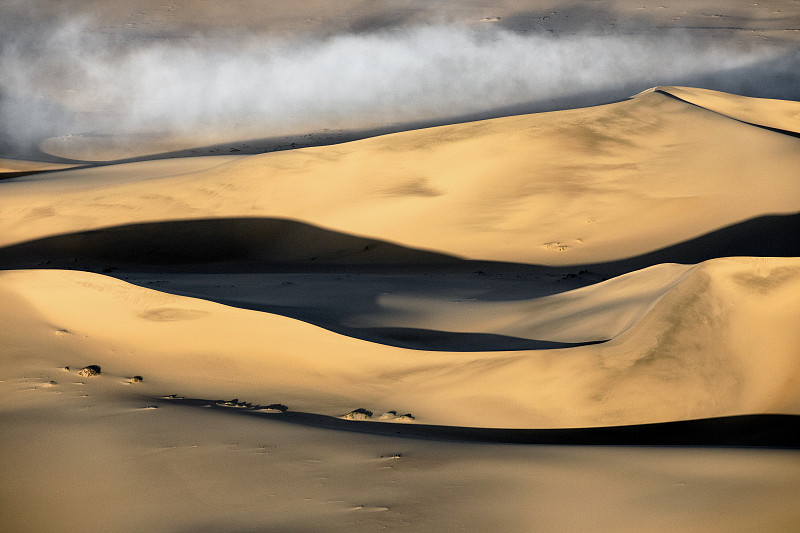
{"x":68,"y":80}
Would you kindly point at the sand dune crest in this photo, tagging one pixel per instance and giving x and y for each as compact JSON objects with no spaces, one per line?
{"x":778,"y":114}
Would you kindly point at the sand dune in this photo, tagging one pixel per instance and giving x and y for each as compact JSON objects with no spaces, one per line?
{"x":648,"y":159}
{"x":582,"y":319}
{"x":682,"y":340}
{"x":779,"y":114}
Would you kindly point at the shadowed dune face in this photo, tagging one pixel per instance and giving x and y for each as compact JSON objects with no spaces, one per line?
{"x":383,"y":292}
{"x":754,"y":430}
{"x":266,"y":244}
{"x":253,"y":243}
{"x":367,"y":301}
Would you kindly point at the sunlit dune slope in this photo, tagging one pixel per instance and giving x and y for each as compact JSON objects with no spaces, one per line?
{"x":568,"y":187}
{"x":779,"y":114}
{"x":594,"y":313}
{"x":715,"y":339}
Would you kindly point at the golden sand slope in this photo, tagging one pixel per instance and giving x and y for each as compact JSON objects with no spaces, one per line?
{"x":568,"y":187}
{"x":718,"y":340}
{"x":92,"y":457}
{"x":780,"y":114}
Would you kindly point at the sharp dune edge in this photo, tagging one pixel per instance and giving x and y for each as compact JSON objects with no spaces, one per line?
{"x":574,"y":320}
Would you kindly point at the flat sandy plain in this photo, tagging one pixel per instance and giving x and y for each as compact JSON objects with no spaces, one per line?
{"x":406,"y":266}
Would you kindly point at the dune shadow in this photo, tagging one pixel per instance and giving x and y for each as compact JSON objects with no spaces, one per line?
{"x":335,"y":316}
{"x":437,"y":340}
{"x":765,"y":236}
{"x":269,"y":244}
{"x":196,"y":244}
{"x":746,"y":431}
{"x":333,"y":280}
{"x":20,"y":173}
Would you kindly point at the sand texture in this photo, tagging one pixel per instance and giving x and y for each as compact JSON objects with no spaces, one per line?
{"x":571,"y":312}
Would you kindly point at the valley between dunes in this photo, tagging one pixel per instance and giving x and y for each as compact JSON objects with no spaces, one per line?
{"x":632,"y":264}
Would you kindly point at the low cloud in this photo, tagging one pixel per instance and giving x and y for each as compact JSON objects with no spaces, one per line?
{"x":69,"y":80}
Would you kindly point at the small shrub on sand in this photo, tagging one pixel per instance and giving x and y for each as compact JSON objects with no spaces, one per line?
{"x":89,"y":371}
{"x":358,"y":414}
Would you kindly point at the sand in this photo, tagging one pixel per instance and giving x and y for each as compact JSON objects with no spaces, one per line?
{"x":569,"y":320}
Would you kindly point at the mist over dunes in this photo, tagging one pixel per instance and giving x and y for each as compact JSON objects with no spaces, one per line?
{"x":83,"y":74}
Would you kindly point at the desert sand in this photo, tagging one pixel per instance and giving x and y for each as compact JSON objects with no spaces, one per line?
{"x":572,"y":310}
